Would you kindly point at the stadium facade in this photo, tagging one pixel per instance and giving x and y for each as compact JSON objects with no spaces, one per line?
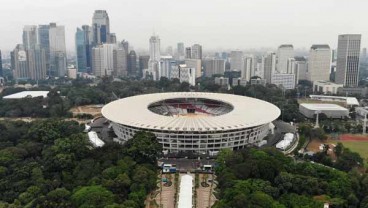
{"x":193,"y":121}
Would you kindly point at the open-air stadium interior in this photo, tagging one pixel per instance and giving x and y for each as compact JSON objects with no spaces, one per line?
{"x":193,"y":121}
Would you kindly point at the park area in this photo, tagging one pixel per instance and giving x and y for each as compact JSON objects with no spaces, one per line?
{"x":356,"y":143}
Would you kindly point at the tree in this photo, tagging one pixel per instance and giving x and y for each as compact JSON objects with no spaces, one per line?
{"x":92,"y":196}
{"x":144,"y":147}
{"x":338,"y":149}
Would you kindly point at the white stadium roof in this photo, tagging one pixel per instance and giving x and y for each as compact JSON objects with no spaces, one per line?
{"x":25,"y":94}
{"x":322,"y":106}
{"x":247,"y":112}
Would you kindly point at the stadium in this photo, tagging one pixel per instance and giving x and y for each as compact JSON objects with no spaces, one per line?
{"x":193,"y":121}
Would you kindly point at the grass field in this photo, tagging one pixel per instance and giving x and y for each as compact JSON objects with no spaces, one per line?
{"x":360,"y":147}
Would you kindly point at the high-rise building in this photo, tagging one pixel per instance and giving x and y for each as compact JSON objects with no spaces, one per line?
{"x":213,"y":66}
{"x":195,"y":64}
{"x":125,"y":45}
{"x":166,"y":65}
{"x":180,"y":51}
{"x":103,"y":59}
{"x":269,"y":66}
{"x":29,"y":36}
{"x":248,"y":69}
{"x":88,"y":41}
{"x":196,"y":51}
{"x":236,"y":61}
{"x":188,"y":53}
{"x":112,"y":38}
{"x":319,"y":63}
{"x":100,"y":27}
{"x":19,"y":62}
{"x":81,"y":50}
{"x":57,"y":50}
{"x":287,"y":81}
{"x":120,"y":62}
{"x":301,"y":68}
{"x":44,"y":42}
{"x":132,"y":63}
{"x":36,"y":58}
{"x":155,"y":56}
{"x":143,"y":64}
{"x":348,"y":54}
{"x":284,"y":52}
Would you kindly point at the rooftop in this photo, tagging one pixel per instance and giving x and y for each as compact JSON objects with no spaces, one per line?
{"x":322,"y":106}
{"x":247,"y":112}
{"x":320,"y":47}
{"x":27,"y":94}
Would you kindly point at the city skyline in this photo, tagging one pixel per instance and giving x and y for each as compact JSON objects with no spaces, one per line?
{"x":212,"y":24}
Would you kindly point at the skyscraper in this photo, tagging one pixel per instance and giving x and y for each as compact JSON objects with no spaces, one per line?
{"x":269,"y":66}
{"x":236,"y":61}
{"x":57,"y":50}
{"x":36,"y":58}
{"x":155,"y":56}
{"x":284,"y":52}
{"x":103,"y":59}
{"x":44,"y":42}
{"x":132,"y":63}
{"x":88,"y":41}
{"x":80,"y":47}
{"x":348,"y":54}
{"x":29,"y":36}
{"x":196,"y":51}
{"x":188,"y":53}
{"x":143,"y":64}
{"x":120,"y":62}
{"x":19,"y":62}
{"x":100,"y":27}
{"x":166,"y":64}
{"x":249,"y":68}
{"x":181,"y":51}
{"x":319,"y":64}
{"x":213,"y":66}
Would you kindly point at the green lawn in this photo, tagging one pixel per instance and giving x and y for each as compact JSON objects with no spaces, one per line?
{"x":360,"y":147}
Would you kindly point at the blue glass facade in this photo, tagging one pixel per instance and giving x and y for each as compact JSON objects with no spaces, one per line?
{"x":81,"y":49}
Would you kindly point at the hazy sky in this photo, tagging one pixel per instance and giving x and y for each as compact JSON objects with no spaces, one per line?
{"x":227,"y":24}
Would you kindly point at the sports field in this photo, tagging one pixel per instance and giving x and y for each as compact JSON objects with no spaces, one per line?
{"x":356,"y":143}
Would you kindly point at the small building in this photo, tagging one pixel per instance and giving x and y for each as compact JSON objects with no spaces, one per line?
{"x":239,"y":82}
{"x":27,"y":94}
{"x":326,"y":87}
{"x":258,"y":81}
{"x":309,"y":110}
{"x":222,"y":81}
{"x":287,"y":81}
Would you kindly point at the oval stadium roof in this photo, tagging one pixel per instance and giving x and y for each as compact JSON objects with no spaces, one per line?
{"x":247,"y":112}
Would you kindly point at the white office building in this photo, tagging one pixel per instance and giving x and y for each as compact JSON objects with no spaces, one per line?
{"x":326,"y":87}
{"x":287,"y":81}
{"x":249,"y":68}
{"x":319,"y":63}
{"x":57,"y":50}
{"x":103,"y":60}
{"x":155,"y":57}
{"x":284,"y":52}
{"x":166,"y":65}
{"x":348,"y":54}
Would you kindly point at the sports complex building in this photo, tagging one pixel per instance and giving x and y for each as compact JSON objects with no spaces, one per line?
{"x":193,"y":121}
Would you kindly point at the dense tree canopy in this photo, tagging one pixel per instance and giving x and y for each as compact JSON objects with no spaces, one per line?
{"x":50,"y":163}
